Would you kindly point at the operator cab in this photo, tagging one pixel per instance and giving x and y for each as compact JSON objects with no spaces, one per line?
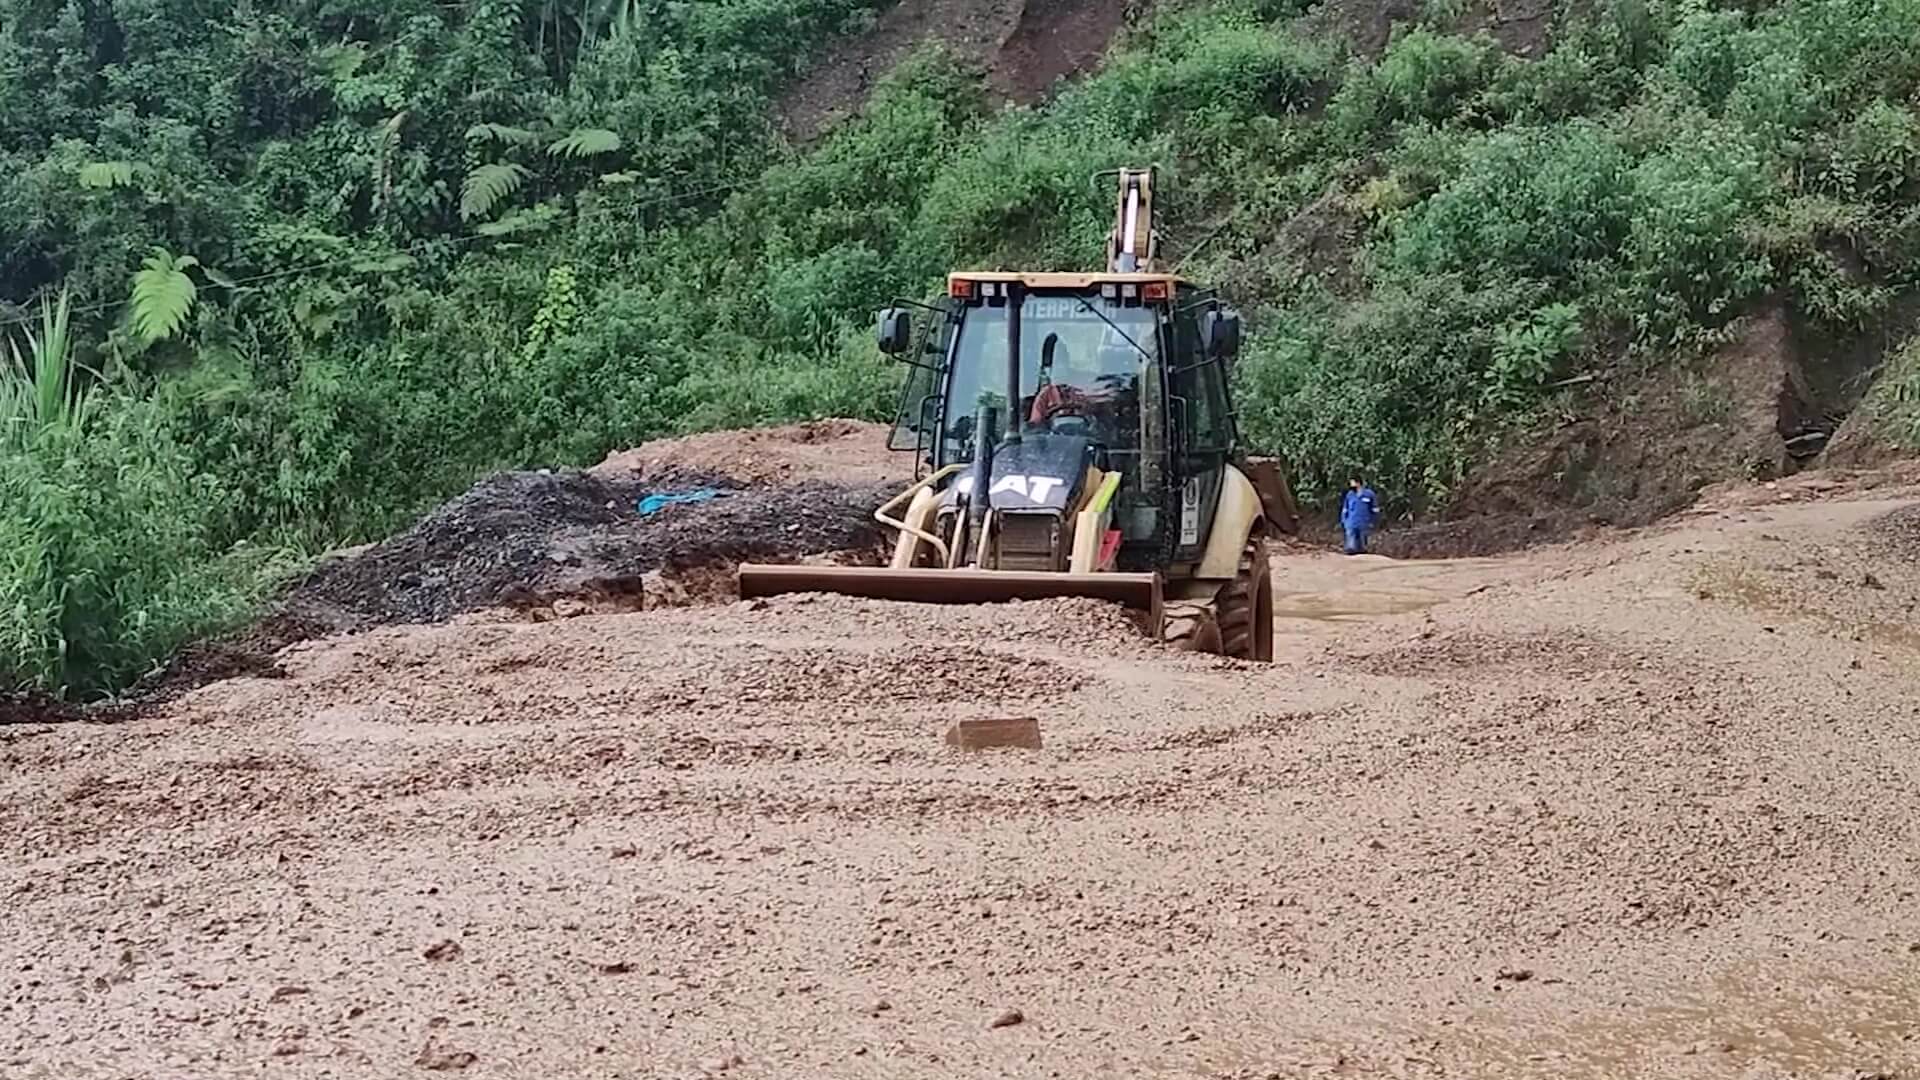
{"x":1083,"y":363}
{"x":1116,"y":372}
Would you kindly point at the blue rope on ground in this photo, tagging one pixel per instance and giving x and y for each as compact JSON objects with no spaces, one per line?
{"x":659,"y":501}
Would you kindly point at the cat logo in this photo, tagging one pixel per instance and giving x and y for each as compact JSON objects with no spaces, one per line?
{"x":1031,"y":488}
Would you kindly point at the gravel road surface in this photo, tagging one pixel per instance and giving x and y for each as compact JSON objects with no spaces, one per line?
{"x":1634,"y":807}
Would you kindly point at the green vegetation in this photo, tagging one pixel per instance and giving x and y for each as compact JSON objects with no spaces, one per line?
{"x":1893,"y":407}
{"x":327,"y":262}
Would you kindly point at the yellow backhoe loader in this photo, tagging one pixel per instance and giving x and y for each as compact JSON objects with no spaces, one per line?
{"x":1074,"y":436}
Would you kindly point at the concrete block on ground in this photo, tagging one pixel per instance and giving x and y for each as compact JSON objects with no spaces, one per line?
{"x":1019,"y":732}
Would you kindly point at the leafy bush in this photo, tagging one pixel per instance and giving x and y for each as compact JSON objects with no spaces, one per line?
{"x":1540,"y":204}
{"x":1685,"y":254}
{"x":1423,"y":76}
{"x":108,"y":562}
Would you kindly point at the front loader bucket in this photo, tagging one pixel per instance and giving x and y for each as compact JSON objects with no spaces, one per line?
{"x":1141,"y":592}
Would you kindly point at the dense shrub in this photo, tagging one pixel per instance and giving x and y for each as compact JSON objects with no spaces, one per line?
{"x":109,"y":547}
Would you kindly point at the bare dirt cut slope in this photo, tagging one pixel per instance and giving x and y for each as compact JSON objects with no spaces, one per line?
{"x":1022,"y":46}
{"x":1522,"y":27}
{"x":1637,"y":806}
{"x":1634,"y":444}
{"x":1026,"y":47}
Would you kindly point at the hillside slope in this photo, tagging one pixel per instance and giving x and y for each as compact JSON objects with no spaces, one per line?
{"x":329,"y":268}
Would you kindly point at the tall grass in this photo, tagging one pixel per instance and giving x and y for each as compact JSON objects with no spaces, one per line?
{"x":1894,"y":404}
{"x":37,"y":385}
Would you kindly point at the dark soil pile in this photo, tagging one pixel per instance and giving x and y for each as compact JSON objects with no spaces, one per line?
{"x":522,"y":538}
{"x":526,"y":539}
{"x":34,"y":709}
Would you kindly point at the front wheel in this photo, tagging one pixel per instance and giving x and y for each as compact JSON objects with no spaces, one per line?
{"x":1244,"y":608}
{"x":1237,"y":622}
{"x":1192,"y":627}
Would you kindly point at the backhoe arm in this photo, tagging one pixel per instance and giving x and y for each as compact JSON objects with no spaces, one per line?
{"x":1132,"y":246}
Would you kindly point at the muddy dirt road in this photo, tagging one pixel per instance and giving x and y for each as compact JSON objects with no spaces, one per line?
{"x":1631,"y":808}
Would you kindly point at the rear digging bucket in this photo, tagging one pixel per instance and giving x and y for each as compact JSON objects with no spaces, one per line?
{"x":1141,"y":592}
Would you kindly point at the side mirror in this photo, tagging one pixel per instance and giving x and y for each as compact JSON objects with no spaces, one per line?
{"x":895,"y":332}
{"x":1220,"y":333}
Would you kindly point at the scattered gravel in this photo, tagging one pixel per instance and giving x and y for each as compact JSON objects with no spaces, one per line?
{"x":1899,"y":533}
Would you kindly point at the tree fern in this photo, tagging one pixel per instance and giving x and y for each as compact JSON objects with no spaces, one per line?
{"x":500,"y":133}
{"x":486,"y":185}
{"x":163,"y":295}
{"x":106,"y":175}
{"x":585,"y":142}
{"x":535,"y":220}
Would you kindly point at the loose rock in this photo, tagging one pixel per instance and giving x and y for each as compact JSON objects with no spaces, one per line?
{"x":445,"y":1060}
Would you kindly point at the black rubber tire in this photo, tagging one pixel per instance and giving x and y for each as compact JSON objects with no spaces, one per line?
{"x":1192,"y":628}
{"x":1244,"y":608}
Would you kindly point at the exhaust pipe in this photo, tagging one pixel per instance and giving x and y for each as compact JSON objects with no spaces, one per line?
{"x":980,"y":471}
{"x":1016,"y":300}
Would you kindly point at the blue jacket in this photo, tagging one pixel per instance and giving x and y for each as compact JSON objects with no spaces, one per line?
{"x":1359,"y":509}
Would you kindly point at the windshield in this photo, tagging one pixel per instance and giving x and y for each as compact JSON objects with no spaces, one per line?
{"x":1081,"y":362}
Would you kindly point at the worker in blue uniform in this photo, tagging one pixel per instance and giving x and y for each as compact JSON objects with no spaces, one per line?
{"x":1359,"y":509}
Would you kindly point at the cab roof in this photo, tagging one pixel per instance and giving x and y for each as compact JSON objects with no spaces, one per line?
{"x":1066,"y":280}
